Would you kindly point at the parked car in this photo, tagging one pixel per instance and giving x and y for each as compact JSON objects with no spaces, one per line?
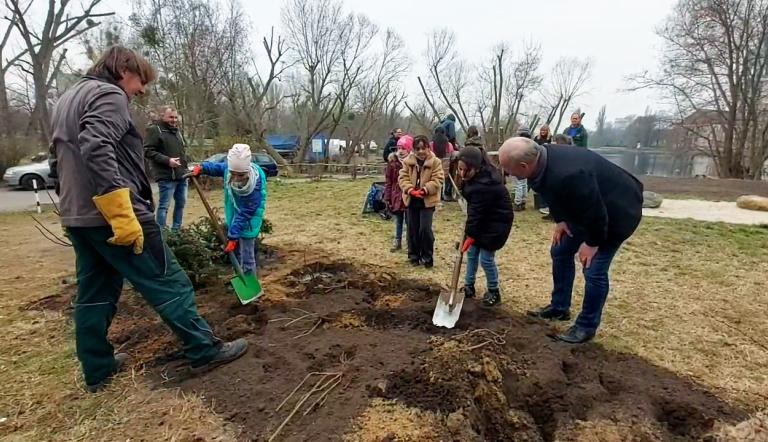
{"x":23,"y":176}
{"x":263,"y":160}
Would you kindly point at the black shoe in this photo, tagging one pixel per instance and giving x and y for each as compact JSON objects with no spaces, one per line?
{"x":414,"y":262}
{"x":120,"y":360}
{"x":576,"y":335}
{"x":428,"y":264}
{"x":396,"y":245}
{"x":519,"y":207}
{"x":228,"y":352}
{"x":491,"y":298}
{"x":469,"y":291}
{"x":551,"y":313}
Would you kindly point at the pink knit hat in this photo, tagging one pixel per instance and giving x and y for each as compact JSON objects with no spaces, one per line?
{"x":405,"y":142}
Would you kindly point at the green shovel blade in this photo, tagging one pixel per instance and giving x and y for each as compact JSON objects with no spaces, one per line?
{"x":247,"y":287}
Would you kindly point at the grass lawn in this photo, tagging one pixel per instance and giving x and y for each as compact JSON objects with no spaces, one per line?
{"x":687,"y":296}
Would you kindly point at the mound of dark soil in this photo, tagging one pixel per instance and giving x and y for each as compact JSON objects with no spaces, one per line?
{"x":347,"y":335}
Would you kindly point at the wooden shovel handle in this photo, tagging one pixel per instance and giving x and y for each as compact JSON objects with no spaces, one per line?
{"x":211,"y":214}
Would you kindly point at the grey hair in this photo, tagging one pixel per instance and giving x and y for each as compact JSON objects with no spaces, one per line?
{"x":527,"y":154}
{"x":563,"y":139}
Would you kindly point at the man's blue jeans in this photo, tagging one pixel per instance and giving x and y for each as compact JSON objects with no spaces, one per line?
{"x":399,"y":222}
{"x":177,"y":189}
{"x":487,"y":259}
{"x":596,"y":279}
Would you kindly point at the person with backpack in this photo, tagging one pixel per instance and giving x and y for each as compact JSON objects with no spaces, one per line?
{"x":421,"y":179}
{"x":489,"y":220}
{"x":449,"y":126}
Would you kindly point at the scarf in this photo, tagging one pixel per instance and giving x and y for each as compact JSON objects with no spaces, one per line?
{"x":244,"y":190}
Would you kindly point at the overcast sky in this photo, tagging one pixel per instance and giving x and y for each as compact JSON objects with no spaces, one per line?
{"x":617,"y":35}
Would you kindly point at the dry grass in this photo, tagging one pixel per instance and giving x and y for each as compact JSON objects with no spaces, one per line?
{"x":43,"y":396}
{"x":687,"y":296}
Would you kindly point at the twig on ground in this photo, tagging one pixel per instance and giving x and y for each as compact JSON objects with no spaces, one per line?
{"x":479,"y":345}
{"x":324,"y":385}
{"x":494,"y":338}
{"x":308,"y":315}
{"x":317,"y":324}
{"x":744,"y":334}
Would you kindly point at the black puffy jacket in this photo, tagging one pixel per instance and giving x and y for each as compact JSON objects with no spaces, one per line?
{"x":489,"y":209}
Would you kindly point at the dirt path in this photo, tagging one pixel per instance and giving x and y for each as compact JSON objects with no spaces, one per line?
{"x":375,"y":369}
{"x":704,"y":188}
{"x":715,"y":211}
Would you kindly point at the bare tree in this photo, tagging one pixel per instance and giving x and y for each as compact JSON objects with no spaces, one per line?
{"x":190,"y":43}
{"x":566,"y":82}
{"x":250,"y":95}
{"x":714,"y":65}
{"x":314,"y":31}
{"x":59,"y":27}
{"x":378,"y":93}
{"x":447,"y":74}
{"x":5,"y":65}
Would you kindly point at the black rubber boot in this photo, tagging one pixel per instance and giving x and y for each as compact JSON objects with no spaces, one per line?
{"x":492,"y":297}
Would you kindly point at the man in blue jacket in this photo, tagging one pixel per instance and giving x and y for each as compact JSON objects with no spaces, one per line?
{"x":596,"y":205}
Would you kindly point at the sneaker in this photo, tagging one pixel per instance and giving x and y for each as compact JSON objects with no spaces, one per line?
{"x":469,"y":291}
{"x":120,"y":361}
{"x":492,"y":297}
{"x":228,"y":352}
{"x":519,"y":207}
{"x":550,"y":313}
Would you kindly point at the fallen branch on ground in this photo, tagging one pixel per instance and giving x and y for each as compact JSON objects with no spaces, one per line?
{"x":323,"y":386}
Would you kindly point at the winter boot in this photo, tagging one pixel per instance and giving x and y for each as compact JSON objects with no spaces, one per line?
{"x":492,"y":297}
{"x":469,"y":291}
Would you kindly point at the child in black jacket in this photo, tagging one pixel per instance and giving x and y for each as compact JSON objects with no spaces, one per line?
{"x":489,"y":220}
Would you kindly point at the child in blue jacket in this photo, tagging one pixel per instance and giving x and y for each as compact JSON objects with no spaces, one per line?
{"x":245,"y":198}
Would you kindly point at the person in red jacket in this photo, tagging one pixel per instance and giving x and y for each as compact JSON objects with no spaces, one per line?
{"x":393,"y":196}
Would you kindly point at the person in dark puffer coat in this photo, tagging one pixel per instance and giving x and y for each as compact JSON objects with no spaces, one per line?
{"x":489,"y":220}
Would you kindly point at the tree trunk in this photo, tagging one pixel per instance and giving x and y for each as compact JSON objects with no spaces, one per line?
{"x":5,"y":110}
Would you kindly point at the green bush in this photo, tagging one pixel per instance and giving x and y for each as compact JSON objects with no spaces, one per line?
{"x":199,"y":252}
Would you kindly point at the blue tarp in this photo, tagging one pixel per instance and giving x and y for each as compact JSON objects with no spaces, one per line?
{"x":284,"y":143}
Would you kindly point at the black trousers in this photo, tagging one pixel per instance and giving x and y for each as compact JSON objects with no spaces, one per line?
{"x":421,"y":239}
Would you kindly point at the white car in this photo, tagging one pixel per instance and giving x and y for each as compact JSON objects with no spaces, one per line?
{"x":24,"y":176}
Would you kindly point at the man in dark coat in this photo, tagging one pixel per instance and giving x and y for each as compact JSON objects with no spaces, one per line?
{"x":391,"y":146}
{"x":106,"y":207}
{"x":596,"y":205}
{"x":164,"y":148}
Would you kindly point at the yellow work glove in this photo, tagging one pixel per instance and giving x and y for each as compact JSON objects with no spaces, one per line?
{"x":116,"y":208}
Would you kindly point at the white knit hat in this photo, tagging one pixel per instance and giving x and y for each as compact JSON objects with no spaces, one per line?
{"x":239,"y":158}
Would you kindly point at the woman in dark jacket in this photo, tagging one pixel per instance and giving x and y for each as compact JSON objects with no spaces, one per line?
{"x":489,"y":220}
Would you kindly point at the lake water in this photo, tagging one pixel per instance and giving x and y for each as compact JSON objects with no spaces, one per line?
{"x":656,"y":162}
